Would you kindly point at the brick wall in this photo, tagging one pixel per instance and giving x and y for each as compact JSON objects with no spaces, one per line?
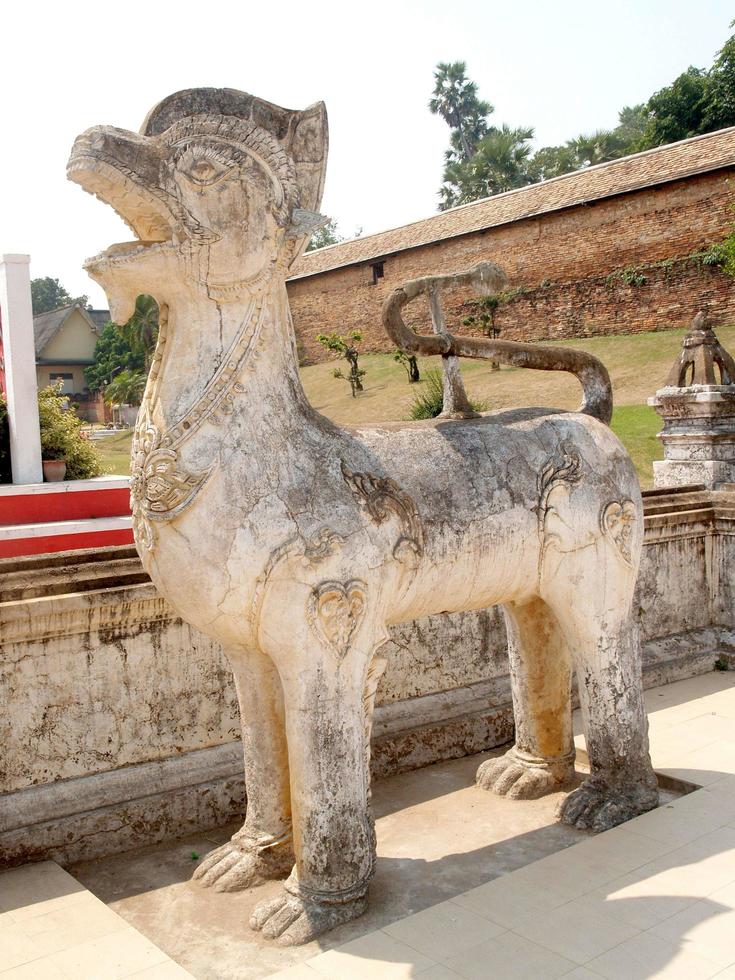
{"x":563,"y":263}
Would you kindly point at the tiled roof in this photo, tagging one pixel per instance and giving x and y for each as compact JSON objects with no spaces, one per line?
{"x":665,"y":163}
{"x":99,"y":318}
{"x":46,"y":325}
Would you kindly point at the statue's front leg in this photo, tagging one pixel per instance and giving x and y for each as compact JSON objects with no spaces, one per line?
{"x":262,"y":849}
{"x":334,"y":838}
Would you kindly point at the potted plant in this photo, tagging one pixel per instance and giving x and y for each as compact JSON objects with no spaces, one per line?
{"x":54,"y":470}
{"x":65,"y":453}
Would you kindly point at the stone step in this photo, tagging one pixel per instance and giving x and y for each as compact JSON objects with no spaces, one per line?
{"x":34,"y":539}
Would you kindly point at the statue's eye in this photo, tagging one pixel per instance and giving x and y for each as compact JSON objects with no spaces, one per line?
{"x":204,"y":170}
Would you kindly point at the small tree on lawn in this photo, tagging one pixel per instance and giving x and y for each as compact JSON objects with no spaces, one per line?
{"x":410,"y":364}
{"x":485,"y":318}
{"x":341,"y":345}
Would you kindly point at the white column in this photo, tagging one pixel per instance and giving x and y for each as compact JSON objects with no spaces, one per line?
{"x":16,"y":318}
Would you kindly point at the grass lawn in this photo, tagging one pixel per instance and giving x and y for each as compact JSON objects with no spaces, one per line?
{"x":115,"y":451}
{"x":638,"y":365}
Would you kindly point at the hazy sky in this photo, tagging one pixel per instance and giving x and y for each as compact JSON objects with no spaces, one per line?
{"x":563,"y":68}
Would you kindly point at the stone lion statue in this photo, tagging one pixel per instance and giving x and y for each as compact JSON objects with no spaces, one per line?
{"x":296,"y":543}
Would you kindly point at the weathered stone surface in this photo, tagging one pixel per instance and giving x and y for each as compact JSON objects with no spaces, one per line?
{"x":445,"y":691}
{"x":296,"y":544}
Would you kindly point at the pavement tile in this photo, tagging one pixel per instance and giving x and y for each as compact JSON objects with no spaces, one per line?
{"x":646,"y":956}
{"x":439,"y":972}
{"x":503,"y":900}
{"x":706,"y":928}
{"x":443,"y":930}
{"x":16,"y":946}
{"x":42,"y":969}
{"x":172,"y":971}
{"x":36,"y":889}
{"x":376,"y":956}
{"x":575,"y":932}
{"x":672,"y":825}
{"x":112,"y":957}
{"x":510,"y":957}
{"x":67,"y":927}
{"x":301,"y":971}
{"x":635,"y":901}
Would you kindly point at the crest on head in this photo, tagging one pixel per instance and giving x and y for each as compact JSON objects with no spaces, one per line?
{"x":223,"y":183}
{"x":292,"y":144}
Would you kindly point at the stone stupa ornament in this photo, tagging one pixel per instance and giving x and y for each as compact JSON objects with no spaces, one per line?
{"x":697,"y":405}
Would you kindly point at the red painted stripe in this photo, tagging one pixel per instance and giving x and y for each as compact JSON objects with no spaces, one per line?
{"x":43,"y":508}
{"x":17,"y":547}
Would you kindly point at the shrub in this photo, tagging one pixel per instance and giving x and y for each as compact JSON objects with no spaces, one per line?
{"x":722,"y":254}
{"x":61,"y":436}
{"x":429,"y":403}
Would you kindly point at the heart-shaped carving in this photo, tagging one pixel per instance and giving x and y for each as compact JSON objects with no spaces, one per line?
{"x":618,"y":518}
{"x":336,"y":610}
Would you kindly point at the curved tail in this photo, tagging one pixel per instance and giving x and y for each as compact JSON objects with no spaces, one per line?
{"x":487,"y":278}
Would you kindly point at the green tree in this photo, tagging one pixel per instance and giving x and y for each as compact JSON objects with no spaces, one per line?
{"x":677,"y":110}
{"x":500,"y":163}
{"x":126,"y":388}
{"x":326,"y":235}
{"x":141,"y":330}
{"x":112,"y":354}
{"x":345,"y":347}
{"x":410,"y":363}
{"x":632,"y":122}
{"x":719,"y":109}
{"x":598,"y":147}
{"x":455,"y":99}
{"x":552,"y":161}
{"x":48,"y":294}
{"x":481,"y":159}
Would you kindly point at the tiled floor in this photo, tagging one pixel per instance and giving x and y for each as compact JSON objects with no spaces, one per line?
{"x":654,"y":898}
{"x":52,"y":928}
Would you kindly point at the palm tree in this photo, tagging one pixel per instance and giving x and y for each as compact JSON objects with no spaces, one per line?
{"x":455,"y":100}
{"x":141,"y":330}
{"x":126,"y":388}
{"x":598,"y":147}
{"x":500,"y":163}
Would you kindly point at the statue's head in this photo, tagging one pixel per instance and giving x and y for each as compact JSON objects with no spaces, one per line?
{"x":221,"y":189}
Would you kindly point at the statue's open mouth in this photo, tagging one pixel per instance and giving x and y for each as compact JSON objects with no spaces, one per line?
{"x":147,"y":214}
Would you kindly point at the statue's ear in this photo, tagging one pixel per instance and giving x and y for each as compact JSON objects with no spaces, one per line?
{"x":305,"y":223}
{"x":307,"y":145}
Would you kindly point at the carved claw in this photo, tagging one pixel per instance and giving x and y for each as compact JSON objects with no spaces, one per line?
{"x":597,"y":806}
{"x":292,"y":920}
{"x":233,"y":867}
{"x":508,"y":776}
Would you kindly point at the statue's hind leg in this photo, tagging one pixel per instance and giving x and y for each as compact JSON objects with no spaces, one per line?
{"x":263,"y":848}
{"x":606,"y":652}
{"x":542,"y":759}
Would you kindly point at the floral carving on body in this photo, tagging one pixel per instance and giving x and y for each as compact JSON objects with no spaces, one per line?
{"x":617,"y":521}
{"x":336,"y":610}
{"x":159,"y":487}
{"x":381,"y":495}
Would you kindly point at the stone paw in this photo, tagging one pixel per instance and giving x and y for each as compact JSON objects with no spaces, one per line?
{"x":597,"y":806}
{"x":292,"y":920}
{"x":232,"y":867}
{"x":507,"y":776}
